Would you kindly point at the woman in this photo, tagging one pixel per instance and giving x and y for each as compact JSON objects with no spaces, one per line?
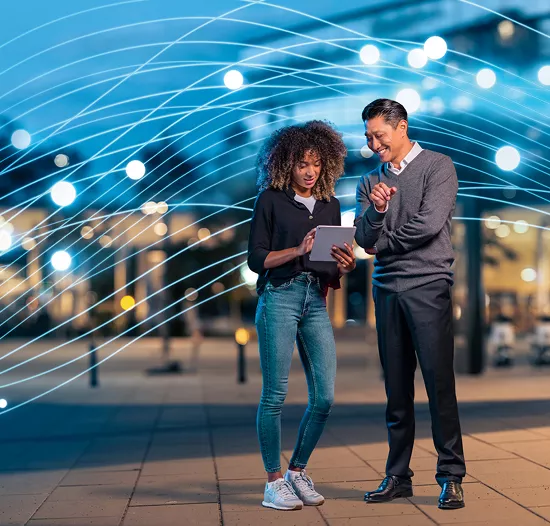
{"x":298,"y":167}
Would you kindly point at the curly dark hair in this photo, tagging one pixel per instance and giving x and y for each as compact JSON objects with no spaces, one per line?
{"x":286,"y":147}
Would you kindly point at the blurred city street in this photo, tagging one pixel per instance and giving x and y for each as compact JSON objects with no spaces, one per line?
{"x":143,"y":450}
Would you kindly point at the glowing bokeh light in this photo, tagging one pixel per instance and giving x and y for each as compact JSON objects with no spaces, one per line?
{"x":21,"y":139}
{"x":28,"y":243}
{"x":61,"y":160}
{"x":521,"y":226}
{"x":528,"y":274}
{"x":417,"y":58}
{"x":233,"y":79}
{"x":410,"y":98}
{"x":502,"y":231}
{"x":492,"y":222}
{"x":5,"y":240}
{"x":127,"y":302}
{"x":161,"y":229}
{"x":366,"y":152}
{"x":486,"y":78}
{"x":61,"y":260}
{"x":369,"y":54}
{"x":507,"y":158}
{"x":63,"y":193}
{"x":544,"y":75}
{"x":248,"y":276}
{"x":135,"y":170}
{"x":435,"y":47}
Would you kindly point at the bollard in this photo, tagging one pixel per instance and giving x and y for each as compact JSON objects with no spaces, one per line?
{"x":241,"y":337}
{"x":94,"y":382}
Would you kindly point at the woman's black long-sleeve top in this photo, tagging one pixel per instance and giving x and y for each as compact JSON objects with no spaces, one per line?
{"x":280,"y":222}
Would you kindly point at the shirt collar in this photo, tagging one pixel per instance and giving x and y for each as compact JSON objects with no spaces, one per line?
{"x":415,"y":150}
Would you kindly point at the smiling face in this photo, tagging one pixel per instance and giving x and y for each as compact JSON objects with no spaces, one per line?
{"x":306,"y":173}
{"x":387,"y":142}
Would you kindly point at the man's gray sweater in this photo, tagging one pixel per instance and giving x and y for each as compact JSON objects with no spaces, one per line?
{"x":413,"y":238}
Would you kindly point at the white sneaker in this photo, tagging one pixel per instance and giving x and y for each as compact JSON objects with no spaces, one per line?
{"x":304,"y":488}
{"x":279,"y":495}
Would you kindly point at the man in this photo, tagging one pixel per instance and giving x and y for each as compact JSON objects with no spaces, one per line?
{"x":404,"y":211}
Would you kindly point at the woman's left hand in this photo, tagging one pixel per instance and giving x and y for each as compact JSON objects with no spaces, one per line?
{"x":344,"y":257}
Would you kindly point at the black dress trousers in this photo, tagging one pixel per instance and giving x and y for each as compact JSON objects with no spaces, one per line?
{"x":419,"y":320}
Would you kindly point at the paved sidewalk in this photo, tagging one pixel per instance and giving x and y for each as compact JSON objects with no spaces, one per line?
{"x":182,"y":450}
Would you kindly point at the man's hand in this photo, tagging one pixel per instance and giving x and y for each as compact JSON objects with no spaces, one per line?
{"x":381,"y":194}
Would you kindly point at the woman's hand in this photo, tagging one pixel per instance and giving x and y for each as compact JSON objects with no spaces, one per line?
{"x":307,"y":243}
{"x":344,"y":257}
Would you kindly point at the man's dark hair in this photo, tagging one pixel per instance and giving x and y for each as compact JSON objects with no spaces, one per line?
{"x":391,"y":110}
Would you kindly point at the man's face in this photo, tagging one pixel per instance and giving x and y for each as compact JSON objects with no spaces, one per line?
{"x":385,"y":140}
{"x":307,"y":171}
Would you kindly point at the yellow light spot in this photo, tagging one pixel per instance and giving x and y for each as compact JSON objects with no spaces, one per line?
{"x":242,"y":336}
{"x":128,"y":302}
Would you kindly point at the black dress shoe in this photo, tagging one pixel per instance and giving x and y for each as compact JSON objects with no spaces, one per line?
{"x":452,"y":496}
{"x":391,"y":488}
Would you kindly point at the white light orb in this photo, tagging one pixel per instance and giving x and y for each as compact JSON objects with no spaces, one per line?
{"x":502,"y":231}
{"x":21,"y":139}
{"x":28,"y":243}
{"x":161,"y":229}
{"x":135,"y":170}
{"x":544,"y":75}
{"x":63,"y":193}
{"x":3,"y":403}
{"x":507,"y":158}
{"x":348,"y":218}
{"x":437,"y":106}
{"x":521,"y":226}
{"x":366,"y":152}
{"x":369,"y":54}
{"x":435,"y":47}
{"x":492,"y":222}
{"x":5,"y":240}
{"x":528,"y":274}
{"x":149,"y":208}
{"x":409,"y":98}
{"x":360,"y":253}
{"x":417,"y":58}
{"x":248,"y":276}
{"x":429,"y":83}
{"x":462,"y":103}
{"x":61,"y":160}
{"x":162,"y":207}
{"x":233,"y":79}
{"x":486,"y":78}
{"x":61,"y":260}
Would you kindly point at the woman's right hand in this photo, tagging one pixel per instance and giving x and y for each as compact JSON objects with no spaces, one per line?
{"x":307,"y":243}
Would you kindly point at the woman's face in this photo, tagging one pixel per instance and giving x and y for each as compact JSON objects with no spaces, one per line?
{"x":307,"y":171}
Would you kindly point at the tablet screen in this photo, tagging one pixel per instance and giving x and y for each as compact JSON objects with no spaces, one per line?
{"x":326,"y":236}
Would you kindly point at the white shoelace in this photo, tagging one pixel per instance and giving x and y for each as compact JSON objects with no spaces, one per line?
{"x":284,"y":489}
{"x":304,"y":482}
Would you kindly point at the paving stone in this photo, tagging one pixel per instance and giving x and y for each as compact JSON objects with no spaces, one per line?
{"x":66,"y":509}
{"x":81,"y":477}
{"x":173,"y":489}
{"x":184,"y":515}
{"x":344,"y":508}
{"x":16,"y":510}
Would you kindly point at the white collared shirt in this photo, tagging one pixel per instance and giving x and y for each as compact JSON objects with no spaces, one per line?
{"x":415,"y":150}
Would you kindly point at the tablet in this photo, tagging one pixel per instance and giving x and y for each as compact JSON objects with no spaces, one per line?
{"x":326,"y":236}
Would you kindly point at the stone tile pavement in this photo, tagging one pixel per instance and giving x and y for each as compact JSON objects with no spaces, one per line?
{"x":181,"y":450}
